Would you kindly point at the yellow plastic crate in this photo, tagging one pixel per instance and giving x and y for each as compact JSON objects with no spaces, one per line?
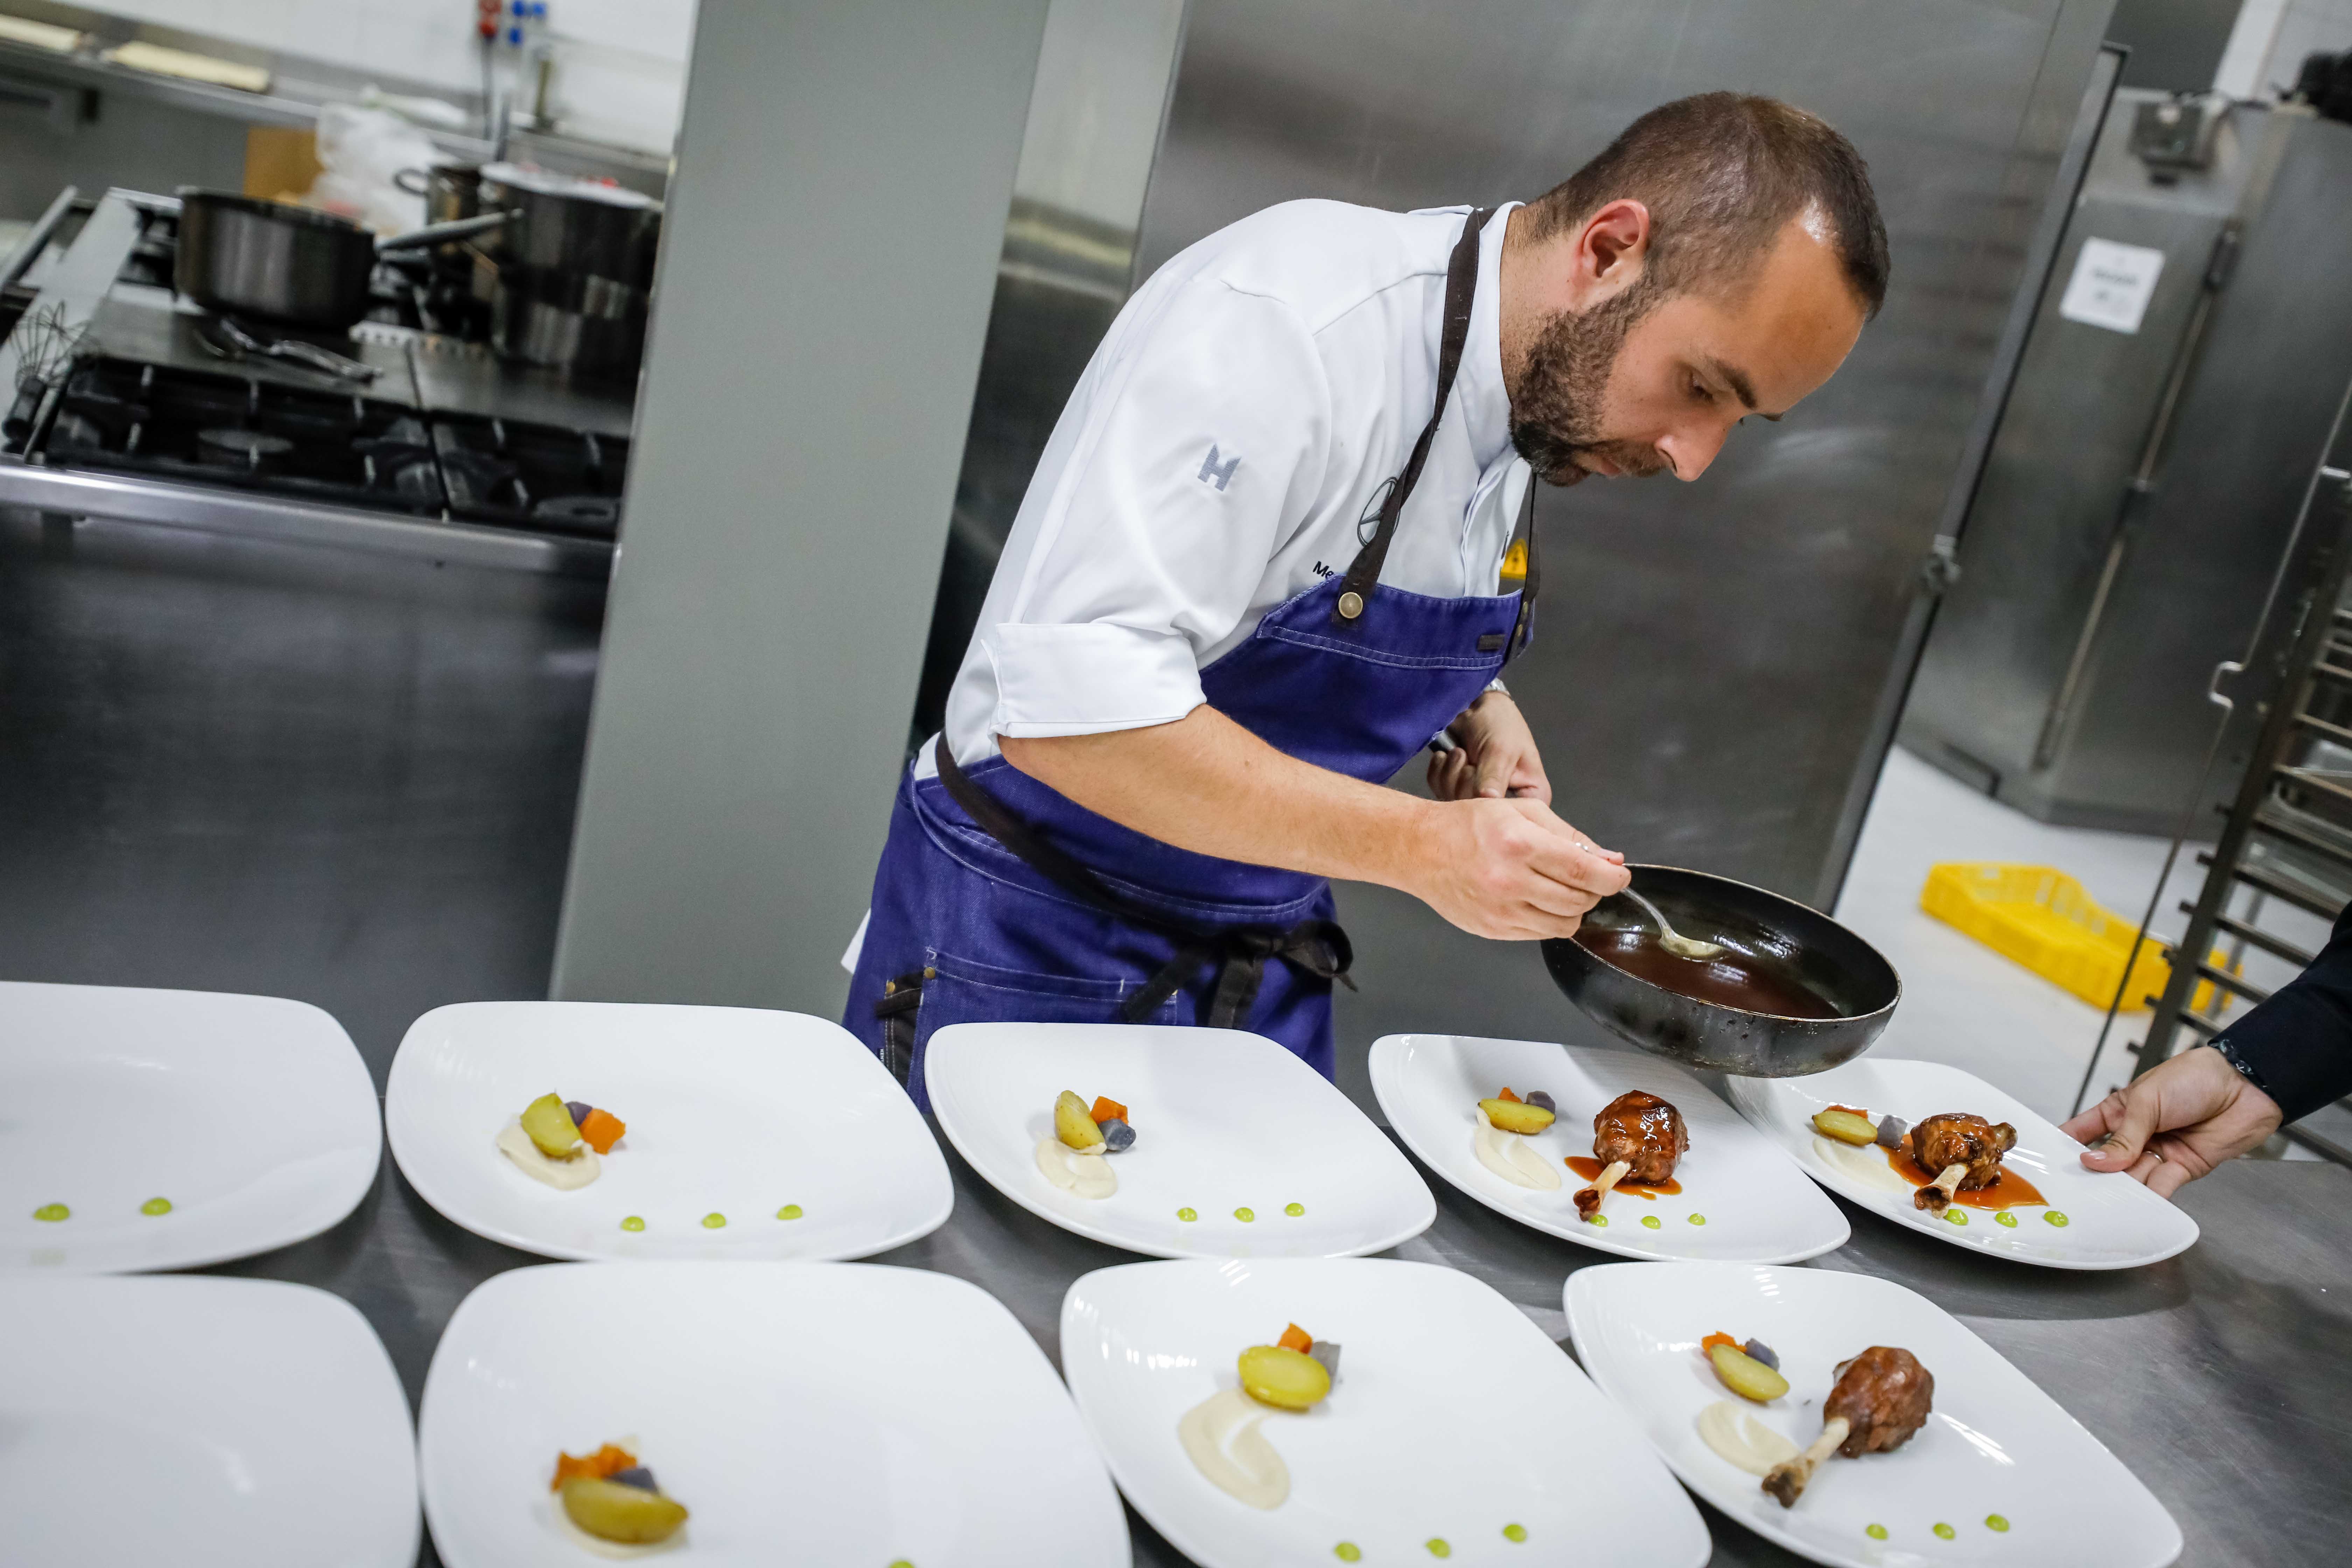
{"x":2041,"y":918}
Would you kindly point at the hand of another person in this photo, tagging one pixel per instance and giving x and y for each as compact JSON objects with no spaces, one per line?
{"x":1511,"y":869}
{"x":2175,"y":1122}
{"x":1497,"y":757}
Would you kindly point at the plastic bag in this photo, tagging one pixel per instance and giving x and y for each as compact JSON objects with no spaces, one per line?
{"x":360,"y":154}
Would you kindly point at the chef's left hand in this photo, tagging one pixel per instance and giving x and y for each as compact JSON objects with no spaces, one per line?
{"x":1497,"y":758}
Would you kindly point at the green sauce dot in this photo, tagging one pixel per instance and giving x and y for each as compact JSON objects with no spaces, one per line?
{"x":1996,"y":1523}
{"x":53,"y":1213}
{"x":1699,"y":1219}
{"x":1955,"y":1215}
{"x":1347,"y":1551}
{"x":157,"y":1206}
{"x":1651,"y":1220}
{"x":1243,"y":1216}
{"x":2054,"y":1218}
{"x":1293,"y":1210}
{"x":1598,"y":1219}
{"x":1515,"y":1532}
{"x":714,"y":1220}
{"x":901,"y":1562}
{"x":2007,"y":1218}
{"x":633,"y":1223}
{"x":1437,"y":1547}
{"x":1188,"y":1215}
{"x":1945,"y":1533}
{"x":1876,"y":1531}
{"x":790,"y":1211}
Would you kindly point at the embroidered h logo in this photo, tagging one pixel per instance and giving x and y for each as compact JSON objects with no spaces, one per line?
{"x":1214,"y":472}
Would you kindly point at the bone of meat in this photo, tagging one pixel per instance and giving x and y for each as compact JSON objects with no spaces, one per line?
{"x":1957,"y":1139}
{"x":1588,"y":1199}
{"x":1786,"y":1481}
{"x":1881,"y":1397}
{"x":1643,"y":1130}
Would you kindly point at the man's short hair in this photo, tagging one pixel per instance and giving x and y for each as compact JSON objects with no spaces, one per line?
{"x":1722,"y":173}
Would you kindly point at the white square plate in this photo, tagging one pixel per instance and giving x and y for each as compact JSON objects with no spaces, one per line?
{"x":834,"y":1414}
{"x":242,"y":1423}
{"x":732,"y":1111}
{"x":252,"y":1117}
{"x":1225,"y":1123}
{"x":1995,"y":1447}
{"x":2111,"y":1221}
{"x":1454,"y":1418}
{"x":1741,"y":1198}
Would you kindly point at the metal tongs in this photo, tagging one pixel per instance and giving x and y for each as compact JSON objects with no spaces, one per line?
{"x":226,"y":338}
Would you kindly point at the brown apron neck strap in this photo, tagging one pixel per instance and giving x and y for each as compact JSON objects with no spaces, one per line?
{"x":1461,"y":288}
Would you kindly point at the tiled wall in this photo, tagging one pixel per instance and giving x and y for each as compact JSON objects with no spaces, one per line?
{"x":622,"y":62}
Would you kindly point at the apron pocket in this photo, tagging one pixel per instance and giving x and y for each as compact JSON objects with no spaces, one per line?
{"x":964,"y":990}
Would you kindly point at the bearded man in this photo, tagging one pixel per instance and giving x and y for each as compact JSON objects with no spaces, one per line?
{"x":1260,"y":567}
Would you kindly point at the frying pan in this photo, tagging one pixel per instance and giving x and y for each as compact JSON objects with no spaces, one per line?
{"x":1771,"y":933}
{"x":243,"y":256}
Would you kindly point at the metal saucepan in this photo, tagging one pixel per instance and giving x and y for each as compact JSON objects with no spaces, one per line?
{"x":1784,"y":960}
{"x":243,"y":256}
{"x":570,"y":279}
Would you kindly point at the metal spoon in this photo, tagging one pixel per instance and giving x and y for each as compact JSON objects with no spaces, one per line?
{"x":227,"y":338}
{"x":1673,"y":940}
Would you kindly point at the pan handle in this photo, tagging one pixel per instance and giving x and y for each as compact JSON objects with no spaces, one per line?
{"x":441,"y":233}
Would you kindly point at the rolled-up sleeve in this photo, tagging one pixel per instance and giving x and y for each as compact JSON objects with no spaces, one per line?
{"x":1198,"y":444}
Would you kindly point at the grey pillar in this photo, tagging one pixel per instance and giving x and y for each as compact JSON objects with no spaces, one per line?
{"x":827,"y":267}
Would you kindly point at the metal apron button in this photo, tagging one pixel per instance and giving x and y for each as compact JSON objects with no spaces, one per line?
{"x":1351,"y":604}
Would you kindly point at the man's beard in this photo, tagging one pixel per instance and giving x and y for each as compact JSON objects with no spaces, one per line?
{"x":1557,"y":414}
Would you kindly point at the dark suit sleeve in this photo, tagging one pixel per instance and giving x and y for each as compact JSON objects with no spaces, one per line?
{"x":2299,"y":1042}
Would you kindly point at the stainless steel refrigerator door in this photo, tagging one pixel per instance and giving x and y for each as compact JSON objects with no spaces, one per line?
{"x":1709,"y":657}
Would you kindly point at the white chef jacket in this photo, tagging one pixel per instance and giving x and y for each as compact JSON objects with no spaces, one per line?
{"x":1222,"y":454}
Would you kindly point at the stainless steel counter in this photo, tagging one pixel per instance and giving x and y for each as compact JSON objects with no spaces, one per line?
{"x":2222,"y":1377}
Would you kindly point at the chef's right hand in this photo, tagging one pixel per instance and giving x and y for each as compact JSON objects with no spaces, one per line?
{"x":1512,"y":870}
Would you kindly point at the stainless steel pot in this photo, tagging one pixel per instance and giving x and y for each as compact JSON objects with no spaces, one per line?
{"x":571,"y":275}
{"x":242,"y":255}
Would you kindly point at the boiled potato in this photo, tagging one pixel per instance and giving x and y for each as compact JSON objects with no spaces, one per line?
{"x":550,"y":1126}
{"x":611,"y":1511}
{"x":1845,"y":1127}
{"x":1074,"y":1125}
{"x":1745,"y":1376}
{"x":1515,"y":1115}
{"x":1291,"y":1379}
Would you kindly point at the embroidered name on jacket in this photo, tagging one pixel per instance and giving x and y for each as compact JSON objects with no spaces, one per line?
{"x":1212,"y":472}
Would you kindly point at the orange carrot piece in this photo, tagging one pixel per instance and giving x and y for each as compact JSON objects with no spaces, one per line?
{"x":1107,"y":1109}
{"x":610,"y":1459}
{"x":1718,"y":1338}
{"x":1295,"y":1337}
{"x":1506,"y":1094}
{"x":602,"y":1129}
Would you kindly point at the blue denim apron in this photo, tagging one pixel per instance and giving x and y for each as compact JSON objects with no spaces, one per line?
{"x":1000,"y":900}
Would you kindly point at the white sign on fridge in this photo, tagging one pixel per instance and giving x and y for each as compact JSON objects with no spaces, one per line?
{"x":2111,"y":285}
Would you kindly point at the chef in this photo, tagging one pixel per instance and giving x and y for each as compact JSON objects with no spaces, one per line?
{"x":1260,"y":567}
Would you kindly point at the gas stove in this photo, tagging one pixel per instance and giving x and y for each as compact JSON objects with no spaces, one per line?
{"x":346,"y":449}
{"x":443,"y":451}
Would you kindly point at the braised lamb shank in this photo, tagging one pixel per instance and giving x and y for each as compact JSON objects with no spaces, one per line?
{"x":1636,"y":1137}
{"x":1881,"y":1397}
{"x":1964,"y":1150}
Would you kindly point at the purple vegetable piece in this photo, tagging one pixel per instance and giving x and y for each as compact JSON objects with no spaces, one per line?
{"x":1542,"y":1101}
{"x":1118,"y":1136}
{"x":636,"y":1476}
{"x":1328,"y":1352}
{"x":1892,"y":1130}
{"x":1758,"y":1350}
{"x":579,"y":1108}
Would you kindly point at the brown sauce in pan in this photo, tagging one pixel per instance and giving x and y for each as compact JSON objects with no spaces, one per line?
{"x":1730,"y":980}
{"x":1588,"y":1167}
{"x":2010,"y":1191}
